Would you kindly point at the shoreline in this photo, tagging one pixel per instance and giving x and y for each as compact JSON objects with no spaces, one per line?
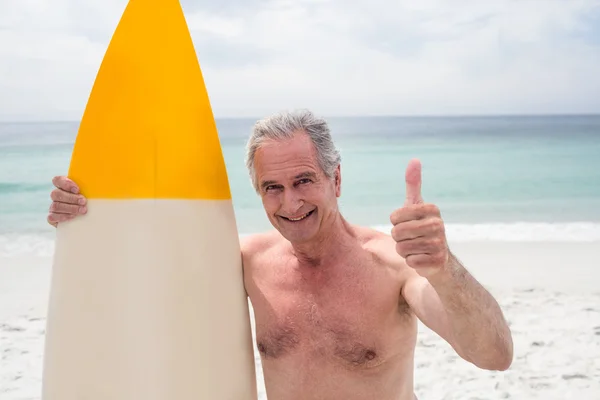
{"x":559,"y":266}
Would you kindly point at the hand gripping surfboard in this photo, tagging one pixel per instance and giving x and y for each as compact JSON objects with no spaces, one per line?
{"x":147,"y":300}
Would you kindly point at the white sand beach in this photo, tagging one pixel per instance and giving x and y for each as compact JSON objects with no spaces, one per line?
{"x":550,"y":293}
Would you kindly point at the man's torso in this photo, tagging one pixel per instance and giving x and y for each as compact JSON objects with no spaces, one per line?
{"x":336,"y":331}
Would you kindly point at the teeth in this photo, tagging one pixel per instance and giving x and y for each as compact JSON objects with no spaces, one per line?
{"x":299,"y":218}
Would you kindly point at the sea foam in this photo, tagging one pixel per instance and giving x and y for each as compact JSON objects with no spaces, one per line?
{"x":14,"y":245}
{"x":520,"y":232}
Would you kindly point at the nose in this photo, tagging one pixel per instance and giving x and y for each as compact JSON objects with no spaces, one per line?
{"x":292,"y":202}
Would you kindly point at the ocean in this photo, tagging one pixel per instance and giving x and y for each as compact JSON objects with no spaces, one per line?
{"x":495,"y":179}
{"x":520,"y":178}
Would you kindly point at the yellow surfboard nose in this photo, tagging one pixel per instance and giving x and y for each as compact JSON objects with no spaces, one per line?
{"x":148,"y":130}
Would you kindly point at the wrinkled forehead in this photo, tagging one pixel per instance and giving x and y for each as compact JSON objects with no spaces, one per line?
{"x":281,"y":159}
{"x":297,"y":149}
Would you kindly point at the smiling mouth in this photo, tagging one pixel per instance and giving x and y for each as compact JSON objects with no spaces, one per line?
{"x":300,"y":218}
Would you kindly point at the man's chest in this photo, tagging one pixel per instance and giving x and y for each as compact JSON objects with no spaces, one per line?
{"x":350,"y":321}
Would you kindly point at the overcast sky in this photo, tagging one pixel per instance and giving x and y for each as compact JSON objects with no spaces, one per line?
{"x":337,"y":57}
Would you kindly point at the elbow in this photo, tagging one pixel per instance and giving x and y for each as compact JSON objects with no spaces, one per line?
{"x":499,"y":363}
{"x":504,"y":361}
{"x":498,"y":357}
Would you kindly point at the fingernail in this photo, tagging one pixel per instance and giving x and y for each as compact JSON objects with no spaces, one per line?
{"x":82,"y":210}
{"x":74,"y":190}
{"x":82,"y":201}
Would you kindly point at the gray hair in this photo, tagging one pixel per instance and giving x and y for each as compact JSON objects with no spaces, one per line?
{"x":283,"y":126}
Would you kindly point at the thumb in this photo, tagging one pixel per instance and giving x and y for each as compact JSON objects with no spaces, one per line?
{"x":413,"y":182}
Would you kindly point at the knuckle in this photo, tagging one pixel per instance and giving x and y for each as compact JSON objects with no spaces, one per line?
{"x":436,"y":225}
{"x":56,"y":207}
{"x":394,"y":233}
{"x":56,"y":195}
{"x":436,"y":242}
{"x":440,"y":257}
{"x":440,"y":225}
{"x":60,"y":182}
{"x":397,"y":232}
{"x":431,"y":209}
{"x":401,"y":249}
{"x":396,"y":217}
{"x":416,"y":209}
{"x":431,"y":224}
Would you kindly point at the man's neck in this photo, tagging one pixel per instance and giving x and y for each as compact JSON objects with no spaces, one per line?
{"x":329,"y":245}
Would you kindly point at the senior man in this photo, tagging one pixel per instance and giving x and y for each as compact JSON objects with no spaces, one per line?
{"x":336,"y":304}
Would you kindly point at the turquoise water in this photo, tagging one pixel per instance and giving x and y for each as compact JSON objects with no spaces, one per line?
{"x":538,"y":177}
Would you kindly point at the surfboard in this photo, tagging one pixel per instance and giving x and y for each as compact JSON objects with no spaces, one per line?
{"x":146,"y":299}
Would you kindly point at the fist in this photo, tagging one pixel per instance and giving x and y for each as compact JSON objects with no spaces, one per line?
{"x":418,"y":229}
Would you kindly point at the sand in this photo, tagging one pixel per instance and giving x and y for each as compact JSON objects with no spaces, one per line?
{"x":550,"y":294}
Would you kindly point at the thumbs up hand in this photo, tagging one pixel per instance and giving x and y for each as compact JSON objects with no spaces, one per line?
{"x":419,"y":230}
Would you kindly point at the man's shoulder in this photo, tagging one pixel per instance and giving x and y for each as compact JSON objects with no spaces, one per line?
{"x":258,"y":243}
{"x":373,"y":238}
{"x":382,"y":247}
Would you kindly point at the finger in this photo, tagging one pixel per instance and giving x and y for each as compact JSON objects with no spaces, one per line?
{"x":64,"y":208}
{"x":412,"y":247}
{"x":66,"y":184}
{"x":55,"y":219}
{"x":407,"y":230}
{"x":414,"y":212}
{"x":417,"y":228}
{"x":61,"y":196}
{"x":51,"y":220}
{"x":413,"y":182}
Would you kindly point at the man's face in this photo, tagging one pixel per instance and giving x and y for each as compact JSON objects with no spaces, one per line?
{"x":296,"y":194}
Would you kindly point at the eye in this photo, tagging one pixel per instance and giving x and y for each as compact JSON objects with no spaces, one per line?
{"x":271,"y":188}
{"x":303,"y":181}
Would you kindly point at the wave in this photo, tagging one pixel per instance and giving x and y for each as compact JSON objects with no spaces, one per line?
{"x":14,"y":245}
{"x":9,"y":188}
{"x":520,"y":232}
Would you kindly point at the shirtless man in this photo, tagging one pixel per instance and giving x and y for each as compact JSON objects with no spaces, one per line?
{"x":336,"y":305}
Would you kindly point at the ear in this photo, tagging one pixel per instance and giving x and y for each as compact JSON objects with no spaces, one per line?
{"x":338,"y":180}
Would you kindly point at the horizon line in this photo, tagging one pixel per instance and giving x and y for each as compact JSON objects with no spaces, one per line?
{"x":348,"y":116}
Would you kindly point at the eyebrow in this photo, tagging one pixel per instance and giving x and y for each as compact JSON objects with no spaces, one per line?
{"x":306,"y":174}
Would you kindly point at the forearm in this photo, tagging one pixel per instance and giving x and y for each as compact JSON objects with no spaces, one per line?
{"x":477,"y":326}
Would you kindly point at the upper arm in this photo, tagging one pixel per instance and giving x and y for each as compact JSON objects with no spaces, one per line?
{"x":252,"y":248}
{"x":248,"y":246}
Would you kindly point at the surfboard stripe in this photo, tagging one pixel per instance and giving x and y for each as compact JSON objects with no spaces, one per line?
{"x":148,"y":130}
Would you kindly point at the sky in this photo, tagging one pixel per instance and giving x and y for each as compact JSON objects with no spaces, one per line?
{"x":336,"y":57}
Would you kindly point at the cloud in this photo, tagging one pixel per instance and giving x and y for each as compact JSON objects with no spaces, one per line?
{"x":338,"y":57}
